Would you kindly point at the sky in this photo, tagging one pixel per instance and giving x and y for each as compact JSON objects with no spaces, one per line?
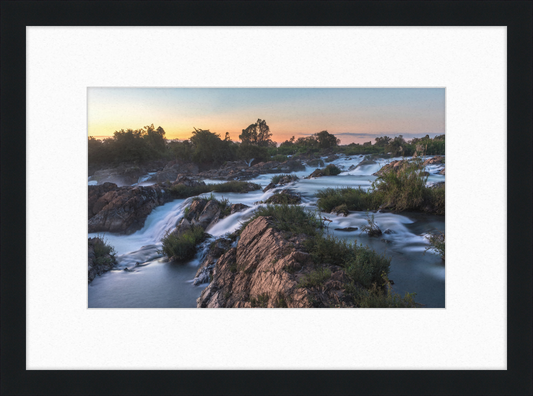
{"x":352,"y":114}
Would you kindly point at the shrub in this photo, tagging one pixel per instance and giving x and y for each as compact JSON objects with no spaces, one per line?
{"x":404,"y":189}
{"x":315,"y":278}
{"x":291,"y":218}
{"x":280,"y":158}
{"x":437,"y":242}
{"x":275,"y":179}
{"x":380,"y":297}
{"x":353,"y":198}
{"x":331,"y":170}
{"x":101,"y":248}
{"x":372,"y":229}
{"x":260,"y":302}
{"x":182,"y":247}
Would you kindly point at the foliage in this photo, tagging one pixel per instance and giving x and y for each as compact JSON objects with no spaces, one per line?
{"x":261,"y":301}
{"x":129,"y":145}
{"x":353,"y":198}
{"x":247,"y":151}
{"x":372,"y":229}
{"x":315,"y":278}
{"x":380,"y":296}
{"x":208,"y":148}
{"x":275,"y":179}
{"x":437,"y":243}
{"x":257,"y":134}
{"x":182,"y":247}
{"x":402,"y":190}
{"x":280,"y":158}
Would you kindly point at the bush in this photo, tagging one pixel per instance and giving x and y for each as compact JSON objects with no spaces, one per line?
{"x":372,"y":229}
{"x":280,"y":158}
{"x":275,"y":179}
{"x":331,"y":170}
{"x":400,"y":190}
{"x":182,"y":247}
{"x":381,"y":297}
{"x":353,"y":198}
{"x":315,"y":278}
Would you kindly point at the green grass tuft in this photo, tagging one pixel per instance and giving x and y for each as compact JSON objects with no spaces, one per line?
{"x":182,"y":247}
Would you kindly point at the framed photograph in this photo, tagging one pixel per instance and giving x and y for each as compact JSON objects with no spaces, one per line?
{"x":266,"y":155}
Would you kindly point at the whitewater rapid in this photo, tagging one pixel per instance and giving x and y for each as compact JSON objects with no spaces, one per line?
{"x":151,"y":281}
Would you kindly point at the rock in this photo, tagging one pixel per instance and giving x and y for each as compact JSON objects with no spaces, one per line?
{"x":316,"y":163}
{"x":269,"y":187}
{"x":347,"y":229}
{"x":209,"y":215}
{"x":239,"y":207}
{"x":123,"y":209}
{"x":100,"y":260}
{"x":285,"y":197}
{"x":394,"y":166}
{"x":332,"y":158}
{"x":239,"y":170}
{"x":264,"y":270}
{"x":341,"y":210}
{"x":205,"y":269}
{"x":442,"y":172}
{"x":352,"y":167}
{"x":434,"y":160}
{"x":188,"y":181}
{"x":388,"y":231}
{"x":330,"y":170}
{"x":123,"y":175}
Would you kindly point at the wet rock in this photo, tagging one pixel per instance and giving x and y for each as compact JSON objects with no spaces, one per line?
{"x":285,"y":197}
{"x":347,"y":229}
{"x":269,"y":187}
{"x":330,"y":170}
{"x":239,"y":207}
{"x":341,"y":210}
{"x":123,"y":209}
{"x":332,"y":158}
{"x":394,"y":166}
{"x":264,"y":270}
{"x":388,"y":231}
{"x":442,"y":172}
{"x":188,"y":181}
{"x":315,"y":163}
{"x":434,"y":160}
{"x":205,"y":269}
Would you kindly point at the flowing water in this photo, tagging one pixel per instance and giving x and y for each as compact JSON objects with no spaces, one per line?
{"x":143,"y":279}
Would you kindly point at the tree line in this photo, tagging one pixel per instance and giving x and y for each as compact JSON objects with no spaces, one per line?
{"x":209,"y":148}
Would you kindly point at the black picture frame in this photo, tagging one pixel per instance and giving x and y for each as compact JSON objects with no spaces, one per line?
{"x":516,"y":15}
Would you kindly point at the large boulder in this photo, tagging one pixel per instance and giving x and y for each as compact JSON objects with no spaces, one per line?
{"x":394,"y":166}
{"x":439,"y":159}
{"x":264,"y":270}
{"x":123,"y":209}
{"x":286,"y":197}
{"x":315,"y":163}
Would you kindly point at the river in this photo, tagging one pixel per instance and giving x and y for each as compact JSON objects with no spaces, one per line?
{"x":156,"y":283}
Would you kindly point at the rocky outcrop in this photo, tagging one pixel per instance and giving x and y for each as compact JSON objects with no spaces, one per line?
{"x":332,"y":158}
{"x":123,"y":209}
{"x":442,"y":172}
{"x":434,"y":160}
{"x":286,"y":197}
{"x":239,"y":207}
{"x":330,"y":170}
{"x":391,"y":166}
{"x":239,"y":170}
{"x":265,"y":270}
{"x":286,"y":179}
{"x":101,"y":258}
{"x":174,"y":170}
{"x":122,"y":175}
{"x":205,"y":269}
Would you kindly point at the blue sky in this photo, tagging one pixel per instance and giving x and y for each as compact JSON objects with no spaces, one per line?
{"x":354,"y":114}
